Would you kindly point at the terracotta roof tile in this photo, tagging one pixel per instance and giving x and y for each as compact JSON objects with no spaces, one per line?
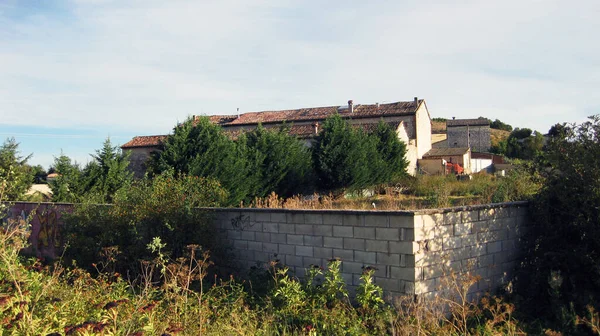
{"x":145,"y":141}
{"x":467,"y":122}
{"x":319,"y":113}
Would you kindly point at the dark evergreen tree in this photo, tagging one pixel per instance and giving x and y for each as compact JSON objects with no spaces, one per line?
{"x":15,"y":175}
{"x":392,"y":152}
{"x":67,"y":186}
{"x":283,"y":163}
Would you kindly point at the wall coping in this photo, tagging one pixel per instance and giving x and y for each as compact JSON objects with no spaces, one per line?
{"x":346,"y":211}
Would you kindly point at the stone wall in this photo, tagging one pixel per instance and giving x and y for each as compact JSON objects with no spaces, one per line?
{"x":477,"y":137}
{"x":413,"y":251}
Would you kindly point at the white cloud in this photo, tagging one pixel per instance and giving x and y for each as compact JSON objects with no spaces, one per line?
{"x":143,"y":65}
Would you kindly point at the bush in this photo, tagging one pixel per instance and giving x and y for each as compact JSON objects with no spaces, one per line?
{"x":164,"y":207}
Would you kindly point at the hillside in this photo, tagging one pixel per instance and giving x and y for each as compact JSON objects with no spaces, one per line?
{"x":497,"y":135}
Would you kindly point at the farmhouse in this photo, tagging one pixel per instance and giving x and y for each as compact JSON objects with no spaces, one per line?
{"x":473,"y":133}
{"x":410,"y":119}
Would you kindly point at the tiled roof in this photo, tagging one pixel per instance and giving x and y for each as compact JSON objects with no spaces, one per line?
{"x":145,"y":141}
{"x":446,"y":152}
{"x":467,"y":122}
{"x":318,"y":113}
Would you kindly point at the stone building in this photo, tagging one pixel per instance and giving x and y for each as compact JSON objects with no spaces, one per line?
{"x":469,"y":133}
{"x":410,"y":119}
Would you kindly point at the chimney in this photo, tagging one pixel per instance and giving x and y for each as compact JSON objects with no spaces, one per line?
{"x":453,"y":118}
{"x":238,"y":113}
{"x":416,"y":102}
{"x":377,"y":105}
{"x":351,"y":106}
{"x":316,"y":126}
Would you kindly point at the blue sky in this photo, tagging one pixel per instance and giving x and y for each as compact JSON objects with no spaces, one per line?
{"x":75,"y":72}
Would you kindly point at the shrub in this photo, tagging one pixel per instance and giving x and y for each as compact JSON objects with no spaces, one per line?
{"x":164,"y":207}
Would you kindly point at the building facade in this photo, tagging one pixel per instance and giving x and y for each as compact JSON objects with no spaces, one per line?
{"x":473,"y":133}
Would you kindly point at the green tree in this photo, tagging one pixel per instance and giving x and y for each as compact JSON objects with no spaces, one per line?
{"x":392,"y":152}
{"x":67,"y":186}
{"x":497,"y":124}
{"x":343,"y":156}
{"x":564,"y":258}
{"x":108,"y":172}
{"x":283,"y":163}
{"x":15,"y":175}
{"x":200,"y":148}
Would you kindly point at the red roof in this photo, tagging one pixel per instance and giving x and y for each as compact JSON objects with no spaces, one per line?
{"x":145,"y":141}
{"x":318,"y":113}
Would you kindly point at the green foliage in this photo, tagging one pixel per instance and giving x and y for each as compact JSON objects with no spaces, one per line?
{"x":439,"y":119}
{"x":97,"y":182}
{"x":497,"y":124}
{"x":164,"y":207}
{"x":522,"y":143}
{"x":14,"y":172}
{"x":564,"y":256}
{"x":282,"y":162}
{"x":67,"y":186}
{"x":348,"y":158}
{"x":200,"y":148}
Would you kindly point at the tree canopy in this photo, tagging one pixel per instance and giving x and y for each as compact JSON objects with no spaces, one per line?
{"x":15,"y":175}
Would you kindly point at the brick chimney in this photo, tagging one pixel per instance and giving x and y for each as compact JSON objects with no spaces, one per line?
{"x":351,"y":106}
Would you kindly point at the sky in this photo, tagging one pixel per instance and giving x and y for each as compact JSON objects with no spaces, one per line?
{"x":73,"y":73}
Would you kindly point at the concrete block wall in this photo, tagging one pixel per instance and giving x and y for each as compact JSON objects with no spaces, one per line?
{"x":484,"y":241}
{"x":414,"y":252}
{"x":301,"y":238}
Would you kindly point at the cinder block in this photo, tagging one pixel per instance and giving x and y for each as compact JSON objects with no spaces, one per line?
{"x":369,"y":258}
{"x":430,"y":220}
{"x":494,"y":247}
{"x":278,"y":217}
{"x":323,"y":230}
{"x":407,"y":260}
{"x":392,"y":259}
{"x":469,"y":240}
{"x":344,"y":255}
{"x":486,"y":214}
{"x":388,"y":284}
{"x":452,"y":218}
{"x":262,"y":217}
{"x":287,"y":228}
{"x":270,"y":248}
{"x":240,"y":244}
{"x":286,"y":249}
{"x":347,"y":278}
{"x":426,"y":286}
{"x":313,"y":241}
{"x":407,"y":234}
{"x":295,"y":218}
{"x":490,"y":236}
{"x":364,"y":232}
{"x":450,"y":243}
{"x":255,"y":246}
{"x":323,"y":252}
{"x":433,"y":271}
{"x":278,"y":238}
{"x":403,"y":273}
{"x":377,"y":245}
{"x":270,"y":227}
{"x":333,"y":242}
{"x":478,"y":250}
{"x":404,"y":247}
{"x":263,"y":257}
{"x":254,"y":226}
{"x":343,"y":231}
{"x":409,"y":288}
{"x":470,"y":216}
{"x":234,"y":234}
{"x":486,"y":260}
{"x":293,"y":260}
{"x":444,"y":230}
{"x":387,"y":234}
{"x":377,"y":220}
{"x":352,"y":220}
{"x":459,"y":254}
{"x":463,"y":229}
{"x":352,"y":267}
{"x":306,"y":229}
{"x":305,"y":251}
{"x":332,"y":219}
{"x":309,"y":262}
{"x":295,"y":239}
{"x":354,"y":244}
{"x":399,"y":221}
{"x":312,"y":218}
{"x":424,"y":233}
